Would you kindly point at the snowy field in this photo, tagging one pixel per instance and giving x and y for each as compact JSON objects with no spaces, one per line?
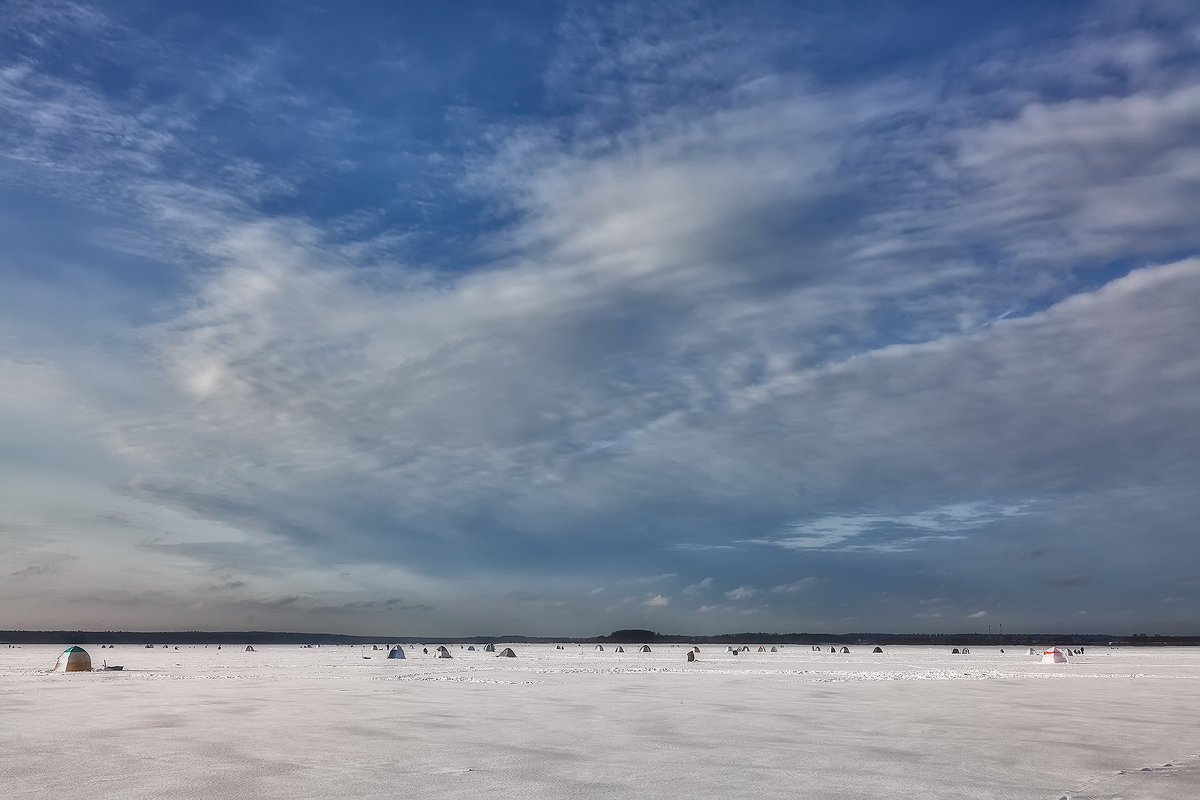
{"x":288,"y":722}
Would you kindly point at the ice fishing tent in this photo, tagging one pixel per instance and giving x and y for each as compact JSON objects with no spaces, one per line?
{"x":729,"y":648}
{"x":471,"y":649}
{"x":506,"y":653}
{"x":74,"y":659}
{"x":774,"y":649}
{"x":396,"y":652}
{"x":954,"y":652}
{"x":877,"y":650}
{"x":762,"y":649}
{"x":489,"y":648}
{"x":845,"y":649}
{"x":1054,"y":656}
{"x":619,"y":649}
{"x":599,"y":647}
{"x":691,"y":656}
{"x":249,"y":648}
{"x":644,"y":648}
{"x":442,"y":652}
{"x":1031,"y":652}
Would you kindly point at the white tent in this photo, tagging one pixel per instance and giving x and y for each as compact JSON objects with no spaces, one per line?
{"x":396,"y":652}
{"x":489,"y":648}
{"x":1054,"y":656}
{"x":506,"y":653}
{"x":442,"y":652}
{"x":74,"y":659}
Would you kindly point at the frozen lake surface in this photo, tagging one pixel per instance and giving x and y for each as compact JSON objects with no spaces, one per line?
{"x":290,"y":722}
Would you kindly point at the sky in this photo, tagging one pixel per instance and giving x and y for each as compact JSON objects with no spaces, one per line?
{"x":552,"y":319}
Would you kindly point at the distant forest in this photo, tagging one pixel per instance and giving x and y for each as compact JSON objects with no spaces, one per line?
{"x":627,"y":636}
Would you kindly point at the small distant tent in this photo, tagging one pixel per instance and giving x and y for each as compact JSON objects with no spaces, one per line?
{"x":396,"y":652}
{"x":691,"y":656}
{"x":1054,"y":656}
{"x":489,"y":648}
{"x":74,"y":659}
{"x":619,"y":649}
{"x":762,"y":649}
{"x":249,"y":648}
{"x":471,"y":649}
{"x":966,"y":651}
{"x":954,"y":652}
{"x":696,"y":648}
{"x":374,"y":647}
{"x":745,"y":648}
{"x":1031,"y":652}
{"x":729,"y":649}
{"x":442,"y":652}
{"x":506,"y":653}
{"x":845,"y":649}
{"x":558,"y":647}
{"x":599,"y":647}
{"x":644,"y":648}
{"x":774,"y":649}
{"x":877,"y":650}
{"x":833,"y":649}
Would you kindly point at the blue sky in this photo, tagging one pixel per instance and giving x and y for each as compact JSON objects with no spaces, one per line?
{"x":556,"y":318}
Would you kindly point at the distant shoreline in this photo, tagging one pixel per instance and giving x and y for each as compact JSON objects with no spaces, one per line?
{"x":624,"y":636}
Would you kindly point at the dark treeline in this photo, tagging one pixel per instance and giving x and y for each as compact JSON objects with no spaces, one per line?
{"x":629,"y":635}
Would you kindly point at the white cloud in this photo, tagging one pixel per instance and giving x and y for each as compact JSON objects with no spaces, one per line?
{"x":741,"y":593}
{"x":698,"y":587}
{"x":656,"y":601}
{"x":795,"y":586}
